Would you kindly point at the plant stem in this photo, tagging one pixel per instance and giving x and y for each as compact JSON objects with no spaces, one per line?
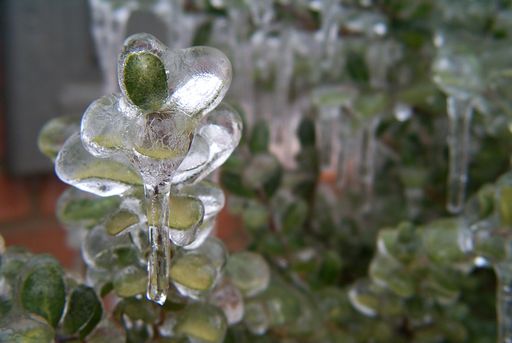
{"x":157,"y":206}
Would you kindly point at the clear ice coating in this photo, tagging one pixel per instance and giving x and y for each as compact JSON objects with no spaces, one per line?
{"x":163,"y":134}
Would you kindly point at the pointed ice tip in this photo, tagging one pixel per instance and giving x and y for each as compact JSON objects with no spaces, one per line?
{"x":156,"y":297}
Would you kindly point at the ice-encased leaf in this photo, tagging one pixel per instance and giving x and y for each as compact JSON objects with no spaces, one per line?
{"x":136,"y":308}
{"x":183,"y":226}
{"x":387,"y":272}
{"x":192,"y":274}
{"x":457,"y":73}
{"x":105,"y":126}
{"x":186,"y":212}
{"x":55,"y":132}
{"x":201,"y":234}
{"x":249,"y":272}
{"x":222,"y":130}
{"x":195,"y":161}
{"x":100,"y":250}
{"x":142,"y":72}
{"x":83,"y":209}
{"x":228,"y":298}
{"x":83,"y":312}
{"x":120,"y":221}
{"x":199,"y":77}
{"x":13,"y":260}
{"x":364,"y":298}
{"x":128,"y":214}
{"x":196,"y":271}
{"x":256,"y":318}
{"x":216,"y":252}
{"x":103,"y":177}
{"x":130,"y":281}
{"x":210,"y":194}
{"x":202,"y":323}
{"x":25,"y":329}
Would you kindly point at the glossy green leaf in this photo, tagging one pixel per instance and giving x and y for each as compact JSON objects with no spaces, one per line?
{"x":43,"y":291}
{"x":202,"y":323}
{"x":83,"y":312}
{"x":145,"y":80}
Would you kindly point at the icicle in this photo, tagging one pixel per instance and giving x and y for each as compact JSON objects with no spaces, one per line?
{"x":460,"y":111}
{"x":157,"y":207}
{"x":328,"y":137}
{"x":108,"y":29}
{"x":368,"y":161}
{"x":504,"y":301}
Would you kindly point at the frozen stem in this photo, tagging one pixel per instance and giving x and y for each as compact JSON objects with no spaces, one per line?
{"x":157,"y":202}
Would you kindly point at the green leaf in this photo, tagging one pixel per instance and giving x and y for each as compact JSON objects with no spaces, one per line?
{"x":83,"y":312}
{"x":356,"y":67}
{"x":12,"y":262}
{"x":233,"y":182}
{"x":194,"y":271}
{"x":145,"y":80}
{"x":306,"y":132}
{"x":187,"y":212}
{"x":249,"y":272}
{"x":43,"y":291}
{"x":25,"y":329}
{"x":330,"y":268}
{"x":74,"y":207}
{"x":137,"y":309}
{"x":255,"y":215}
{"x":441,"y":240}
{"x":263,"y":173}
{"x":260,"y":137}
{"x":55,"y":132}
{"x":295,"y":216}
{"x":130,"y":281}
{"x":202,"y":323}
{"x":120,"y":221}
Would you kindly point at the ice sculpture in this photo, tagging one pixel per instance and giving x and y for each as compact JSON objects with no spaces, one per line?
{"x":166,"y":132}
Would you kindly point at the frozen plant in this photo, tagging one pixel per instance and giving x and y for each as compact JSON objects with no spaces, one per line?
{"x":163,"y":132}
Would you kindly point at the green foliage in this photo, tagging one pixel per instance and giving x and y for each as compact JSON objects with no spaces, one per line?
{"x":37,"y":294}
{"x":260,"y":137}
{"x":43,"y":291}
{"x":338,"y":270}
{"x":145,"y":80}
{"x":83,"y":312}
